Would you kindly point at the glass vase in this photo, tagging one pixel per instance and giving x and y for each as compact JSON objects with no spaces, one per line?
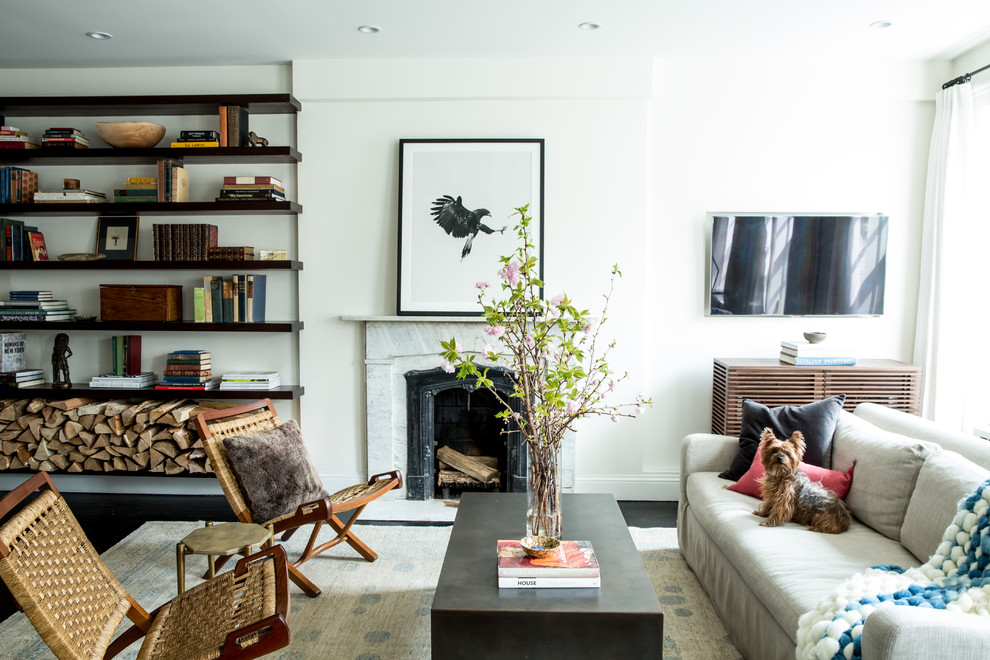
{"x":543,"y":514}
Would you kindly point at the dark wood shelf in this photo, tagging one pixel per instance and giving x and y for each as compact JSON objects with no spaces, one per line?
{"x":114,"y":156}
{"x":153,"y":208}
{"x":153,"y":326}
{"x":46,"y":391}
{"x":113,"y":264}
{"x":166,"y":105}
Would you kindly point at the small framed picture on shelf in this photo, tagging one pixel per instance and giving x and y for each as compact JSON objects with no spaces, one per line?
{"x":116,"y":237}
{"x":457,"y":213}
{"x":38,"y":250}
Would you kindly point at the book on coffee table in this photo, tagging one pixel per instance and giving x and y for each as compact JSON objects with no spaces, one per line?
{"x":573,"y":565}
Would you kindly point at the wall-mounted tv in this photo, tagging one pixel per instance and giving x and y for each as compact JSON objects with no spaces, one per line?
{"x":797,"y":265}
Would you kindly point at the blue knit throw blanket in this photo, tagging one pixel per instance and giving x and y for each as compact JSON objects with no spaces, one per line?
{"x":956,"y":578}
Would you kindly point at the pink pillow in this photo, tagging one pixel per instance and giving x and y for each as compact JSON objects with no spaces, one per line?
{"x":835,"y":481}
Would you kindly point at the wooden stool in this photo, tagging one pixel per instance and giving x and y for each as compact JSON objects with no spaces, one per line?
{"x":222,"y":539}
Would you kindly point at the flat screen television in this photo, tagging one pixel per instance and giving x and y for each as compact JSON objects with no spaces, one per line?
{"x":797,"y":265}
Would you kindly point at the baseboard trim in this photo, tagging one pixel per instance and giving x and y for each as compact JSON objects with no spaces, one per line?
{"x":652,"y":486}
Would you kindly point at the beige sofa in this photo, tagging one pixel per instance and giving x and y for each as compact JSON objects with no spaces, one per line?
{"x":908,"y":479}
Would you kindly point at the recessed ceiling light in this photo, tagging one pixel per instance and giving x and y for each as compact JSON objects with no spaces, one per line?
{"x":881,"y":25}
{"x":589,"y":25}
{"x":369,"y":29}
{"x":99,"y":35}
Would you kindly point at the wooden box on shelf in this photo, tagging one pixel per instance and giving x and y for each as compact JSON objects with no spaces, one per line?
{"x":140,"y":302}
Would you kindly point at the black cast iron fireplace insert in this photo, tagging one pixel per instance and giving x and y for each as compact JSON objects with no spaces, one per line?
{"x":446,"y":411}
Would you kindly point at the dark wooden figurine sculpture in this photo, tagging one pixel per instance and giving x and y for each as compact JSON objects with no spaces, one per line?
{"x":60,"y":361}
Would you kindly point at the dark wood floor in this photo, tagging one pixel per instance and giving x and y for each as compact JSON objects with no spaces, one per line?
{"x":107,"y":519}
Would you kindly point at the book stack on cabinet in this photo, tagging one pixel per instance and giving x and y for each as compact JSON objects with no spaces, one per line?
{"x":806,"y":354}
{"x":251,"y":189}
{"x":64,"y":138}
{"x":573,"y":566}
{"x":187,"y":370}
{"x":35,"y":306}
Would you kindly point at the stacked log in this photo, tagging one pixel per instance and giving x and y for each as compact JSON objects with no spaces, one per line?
{"x":88,"y":435}
{"x":459,"y":469}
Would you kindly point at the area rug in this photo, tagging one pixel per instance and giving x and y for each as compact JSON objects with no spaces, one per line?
{"x":381,"y":610}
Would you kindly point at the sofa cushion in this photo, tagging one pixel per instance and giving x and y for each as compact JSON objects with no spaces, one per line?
{"x":887,"y":466}
{"x":816,"y":420}
{"x":944,"y":479}
{"x":774,"y":561}
{"x":274,"y":470}
{"x":835,"y":481}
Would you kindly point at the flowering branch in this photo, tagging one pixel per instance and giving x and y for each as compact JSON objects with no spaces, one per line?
{"x":559,"y":372}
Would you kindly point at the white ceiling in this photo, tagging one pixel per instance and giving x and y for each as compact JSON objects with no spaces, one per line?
{"x":51,"y":33}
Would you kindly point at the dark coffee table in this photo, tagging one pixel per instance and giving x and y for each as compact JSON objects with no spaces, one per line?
{"x":473,"y":619}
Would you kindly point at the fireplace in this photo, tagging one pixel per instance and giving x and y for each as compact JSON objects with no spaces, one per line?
{"x":395,"y":346}
{"x":449,"y":414}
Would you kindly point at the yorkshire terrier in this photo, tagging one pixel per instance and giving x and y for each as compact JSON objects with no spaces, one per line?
{"x":788,"y":493}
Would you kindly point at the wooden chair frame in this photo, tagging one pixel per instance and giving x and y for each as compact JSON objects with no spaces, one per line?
{"x":215,"y":425}
{"x":74,"y":601}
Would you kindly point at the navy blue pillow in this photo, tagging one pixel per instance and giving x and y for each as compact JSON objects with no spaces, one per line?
{"x":815,"y":420}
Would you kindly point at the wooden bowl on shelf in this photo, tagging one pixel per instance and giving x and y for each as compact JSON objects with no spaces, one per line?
{"x":130,"y":134}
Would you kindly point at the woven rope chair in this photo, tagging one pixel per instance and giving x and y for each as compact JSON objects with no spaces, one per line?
{"x":215,"y":425}
{"x":76,"y":604}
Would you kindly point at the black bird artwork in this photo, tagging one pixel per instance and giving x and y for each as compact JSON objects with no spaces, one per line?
{"x":457,"y":221}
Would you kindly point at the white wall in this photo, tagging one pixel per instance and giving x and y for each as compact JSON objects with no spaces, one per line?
{"x":637,"y":152}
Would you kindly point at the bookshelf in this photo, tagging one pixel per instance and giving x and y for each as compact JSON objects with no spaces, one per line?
{"x":15,"y":108}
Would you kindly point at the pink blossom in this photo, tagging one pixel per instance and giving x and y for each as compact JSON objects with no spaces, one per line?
{"x":640,"y":410}
{"x":447,"y":366}
{"x":494,"y":330}
{"x":511,"y":272}
{"x":572,"y":407}
{"x":614,"y":417}
{"x":557,"y":300}
{"x":484,"y":284}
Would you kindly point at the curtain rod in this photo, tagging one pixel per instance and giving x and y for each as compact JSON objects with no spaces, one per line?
{"x":964,"y":78}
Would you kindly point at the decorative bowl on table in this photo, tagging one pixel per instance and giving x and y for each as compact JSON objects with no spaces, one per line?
{"x":540,"y":546}
{"x":130,"y":134}
{"x":815,"y":337}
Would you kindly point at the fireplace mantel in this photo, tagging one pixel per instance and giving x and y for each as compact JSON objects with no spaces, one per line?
{"x":395,"y":345}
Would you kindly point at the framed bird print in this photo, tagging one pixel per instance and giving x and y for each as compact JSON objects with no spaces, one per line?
{"x":457,"y":218}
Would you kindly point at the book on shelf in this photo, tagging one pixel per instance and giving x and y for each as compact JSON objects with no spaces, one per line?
{"x":194,"y":135}
{"x":574,"y":559}
{"x":39,"y":251}
{"x":805,"y":347}
{"x":5,"y":234}
{"x":166,"y":170}
{"x":252,"y":376}
{"x":817,"y":361}
{"x":549,"y":583}
{"x":17,"y":185}
{"x":126,"y":354}
{"x":254,"y":187}
{"x":199,"y":304}
{"x":209,"y":385}
{"x":230,"y":253}
{"x":273,"y":255}
{"x":27,"y":294}
{"x":237,"y":126}
{"x":183,"y":242}
{"x":36,"y":315}
{"x":265,"y":380}
{"x":12,"y":357}
{"x":21,"y":375}
{"x":194,"y":144}
{"x":250,"y":180}
{"x":34,"y":304}
{"x":189,"y":356}
{"x":141,"y":379}
{"x":34,"y":382}
{"x":256,"y":296}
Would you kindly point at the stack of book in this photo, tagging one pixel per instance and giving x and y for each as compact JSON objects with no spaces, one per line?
{"x":17,"y":185}
{"x":63,"y":138}
{"x":251,"y":189}
{"x":12,"y":137}
{"x":69,"y":196}
{"x":172,"y":181}
{"x":137,"y":189}
{"x":126,"y":352}
{"x":22,"y":378}
{"x":805,"y":354}
{"x":125,"y":381}
{"x":237,"y":299}
{"x":573,"y":566}
{"x":197,"y":139}
{"x":35,"y":306}
{"x":251,"y":380}
{"x":17,"y":240}
{"x":187,"y":242}
{"x":187,"y":370}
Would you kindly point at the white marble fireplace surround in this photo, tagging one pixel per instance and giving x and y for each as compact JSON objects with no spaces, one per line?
{"x":395,"y":345}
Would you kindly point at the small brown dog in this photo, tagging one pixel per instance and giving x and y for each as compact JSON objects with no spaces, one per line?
{"x":788,"y":494}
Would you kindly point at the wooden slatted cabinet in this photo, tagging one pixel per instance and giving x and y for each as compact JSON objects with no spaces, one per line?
{"x":774,"y":383}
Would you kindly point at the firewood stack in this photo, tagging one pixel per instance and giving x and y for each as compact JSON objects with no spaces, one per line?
{"x":87,"y":435}
{"x":457,"y":469}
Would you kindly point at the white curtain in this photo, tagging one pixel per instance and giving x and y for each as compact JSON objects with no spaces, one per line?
{"x":951,"y":337}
